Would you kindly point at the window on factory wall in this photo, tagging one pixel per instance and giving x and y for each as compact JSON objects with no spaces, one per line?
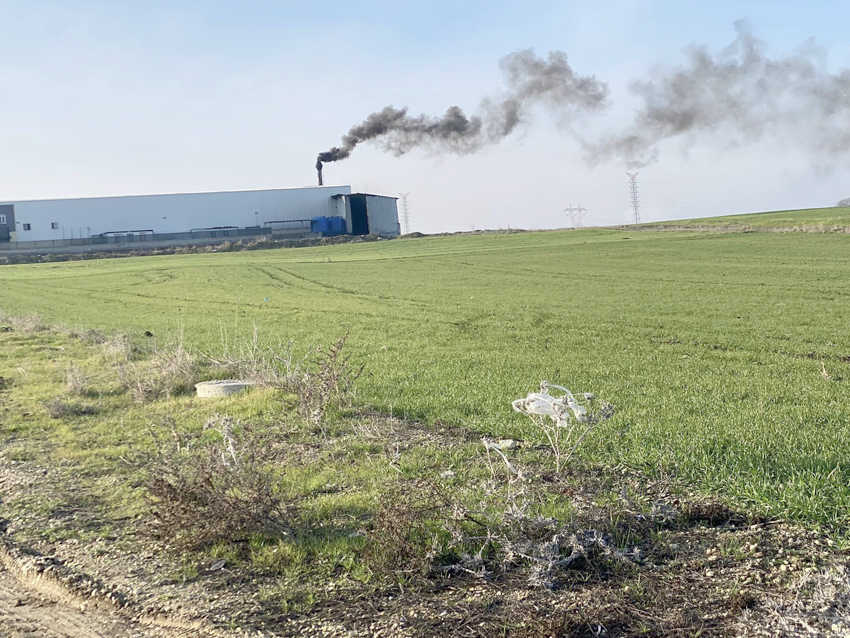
{"x":54,"y":225}
{"x":2,"y":219}
{"x":26,"y":226}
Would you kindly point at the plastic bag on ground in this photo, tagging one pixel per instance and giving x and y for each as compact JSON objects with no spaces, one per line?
{"x":557,"y":408}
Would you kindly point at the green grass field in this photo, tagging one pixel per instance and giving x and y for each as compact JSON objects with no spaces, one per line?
{"x":711,"y":346}
{"x":816,"y":220}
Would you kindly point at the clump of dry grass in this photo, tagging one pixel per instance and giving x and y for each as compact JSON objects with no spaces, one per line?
{"x":169,"y":372}
{"x":77,"y":382}
{"x":58,"y":408}
{"x":92,"y":336}
{"x":30,"y":324}
{"x":269,"y":366}
{"x":118,"y":348}
{"x":145,"y":371}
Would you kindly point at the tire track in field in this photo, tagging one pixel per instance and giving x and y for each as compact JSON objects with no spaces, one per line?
{"x":273,"y":277}
{"x":165,"y":301}
{"x":345,"y":291}
{"x":365,"y":295}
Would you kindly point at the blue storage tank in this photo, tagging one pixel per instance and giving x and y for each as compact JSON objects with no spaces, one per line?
{"x":319,"y":225}
{"x":328,"y":225}
{"x":336,"y":225}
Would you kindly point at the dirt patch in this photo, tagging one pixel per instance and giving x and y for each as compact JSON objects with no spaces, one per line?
{"x":697,"y":566}
{"x":681,"y":597}
{"x":41,"y":599}
{"x":28,"y":614}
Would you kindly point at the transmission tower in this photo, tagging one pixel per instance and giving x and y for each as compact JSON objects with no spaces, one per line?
{"x":576,"y":214}
{"x":405,"y":212}
{"x":634,"y":196}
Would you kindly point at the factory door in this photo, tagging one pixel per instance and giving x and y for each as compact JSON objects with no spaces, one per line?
{"x":7,"y":221}
{"x":359,"y":216}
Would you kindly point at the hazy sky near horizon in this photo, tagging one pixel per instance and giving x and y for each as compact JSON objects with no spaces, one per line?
{"x":106,"y":97}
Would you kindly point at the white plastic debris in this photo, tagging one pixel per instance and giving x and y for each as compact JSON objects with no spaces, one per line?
{"x":570,"y":421}
{"x":492,"y":446}
{"x":557,"y":408}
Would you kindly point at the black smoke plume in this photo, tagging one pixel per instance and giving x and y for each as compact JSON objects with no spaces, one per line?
{"x":738,"y":96}
{"x":529,"y":81}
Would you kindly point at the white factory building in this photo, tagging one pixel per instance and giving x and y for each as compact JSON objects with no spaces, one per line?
{"x":296,"y":211}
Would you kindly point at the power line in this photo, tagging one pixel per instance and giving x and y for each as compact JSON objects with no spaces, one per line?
{"x":634,"y":196}
{"x":576,"y":214}
{"x":405,"y":212}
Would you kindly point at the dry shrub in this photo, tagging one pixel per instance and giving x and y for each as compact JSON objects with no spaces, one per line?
{"x":56,"y":408}
{"x":217,"y":485}
{"x":406,"y":536}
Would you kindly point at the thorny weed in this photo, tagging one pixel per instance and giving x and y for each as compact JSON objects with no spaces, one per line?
{"x":217,"y":485}
{"x":820,"y":607}
{"x":423,"y":531}
{"x":329,"y":382}
{"x":504,"y":531}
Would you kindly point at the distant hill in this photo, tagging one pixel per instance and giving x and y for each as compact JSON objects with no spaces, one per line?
{"x":813,"y":220}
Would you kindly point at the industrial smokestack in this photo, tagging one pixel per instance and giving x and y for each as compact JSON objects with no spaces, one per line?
{"x":319,"y":169}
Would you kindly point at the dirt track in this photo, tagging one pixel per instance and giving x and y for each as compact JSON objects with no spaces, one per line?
{"x":34,"y":604}
{"x":33,"y":609}
{"x":30,"y":614}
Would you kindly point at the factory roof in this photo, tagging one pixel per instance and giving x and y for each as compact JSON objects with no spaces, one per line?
{"x":250,"y":190}
{"x":365,"y":194}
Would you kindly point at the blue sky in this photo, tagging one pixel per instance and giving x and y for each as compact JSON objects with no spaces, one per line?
{"x":109,"y":97}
